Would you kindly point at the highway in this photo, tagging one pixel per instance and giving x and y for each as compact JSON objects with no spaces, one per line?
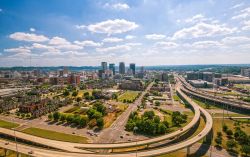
{"x":49,"y":153}
{"x":193,"y":91}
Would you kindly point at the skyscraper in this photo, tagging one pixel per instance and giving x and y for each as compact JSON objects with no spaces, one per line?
{"x":104,"y":66}
{"x":132,"y":67}
{"x":112,"y":67}
{"x":122,"y":68}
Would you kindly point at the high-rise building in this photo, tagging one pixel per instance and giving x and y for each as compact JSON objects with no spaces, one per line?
{"x":132,"y":67}
{"x":104,"y":66}
{"x":122,"y":68}
{"x":112,"y":67}
{"x":245,"y":72}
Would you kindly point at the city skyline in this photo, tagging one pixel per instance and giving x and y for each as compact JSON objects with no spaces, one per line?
{"x":173,"y":32}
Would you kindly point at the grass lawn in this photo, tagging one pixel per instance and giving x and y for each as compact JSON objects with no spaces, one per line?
{"x":128,"y":95}
{"x":8,"y":125}
{"x":71,"y":110}
{"x":204,"y":105}
{"x":11,"y":153}
{"x":176,"y":98}
{"x":55,"y":135}
{"x":217,"y":126}
{"x":242,"y":86}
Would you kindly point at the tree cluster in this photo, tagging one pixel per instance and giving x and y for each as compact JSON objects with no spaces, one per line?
{"x":97,"y":112}
{"x":148,"y":123}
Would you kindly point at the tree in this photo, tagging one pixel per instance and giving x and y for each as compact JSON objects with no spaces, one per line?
{"x":219,"y":134}
{"x":56,"y":116}
{"x":161,"y":129}
{"x":218,"y":141}
{"x":69,"y":118}
{"x":149,"y":114}
{"x":115,"y":96}
{"x":229,"y":132}
{"x":231,"y":144}
{"x":100,"y":122}
{"x":78,"y":99}
{"x":83,"y":121}
{"x":63,"y":117}
{"x":50,"y":116}
{"x":178,"y":118}
{"x":245,"y":149}
{"x":157,"y":103}
{"x":75,"y":93}
{"x":224,"y":128}
{"x":66,"y":93}
{"x":86,"y":94}
{"x":100,"y":107}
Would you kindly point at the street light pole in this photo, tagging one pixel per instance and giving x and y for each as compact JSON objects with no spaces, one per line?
{"x":135,"y":128}
{"x":15,"y":138}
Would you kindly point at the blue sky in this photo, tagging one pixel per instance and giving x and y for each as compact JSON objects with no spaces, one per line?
{"x":147,"y":32}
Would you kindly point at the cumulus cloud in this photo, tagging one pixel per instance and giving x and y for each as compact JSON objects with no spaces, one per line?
{"x":30,"y":37}
{"x":32,"y":29}
{"x":195,"y":18}
{"x":80,"y":26}
{"x":88,"y":43}
{"x":246,"y":25}
{"x":165,"y":45}
{"x":117,"y":6}
{"x":155,"y":36}
{"x":206,"y":44}
{"x":112,"y":26}
{"x":244,"y":13}
{"x":202,"y":29}
{"x":20,"y":49}
{"x":235,"y":40}
{"x":117,"y":48}
{"x":130,"y":37}
{"x":112,"y":40}
{"x":237,"y":6}
{"x":62,"y":43}
{"x":58,"y":41}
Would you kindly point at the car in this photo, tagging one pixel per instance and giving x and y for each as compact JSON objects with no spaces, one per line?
{"x":73,"y":133}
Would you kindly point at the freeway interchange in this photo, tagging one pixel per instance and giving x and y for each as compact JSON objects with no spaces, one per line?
{"x":73,"y":149}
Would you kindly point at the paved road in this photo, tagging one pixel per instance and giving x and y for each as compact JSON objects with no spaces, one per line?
{"x":111,"y":134}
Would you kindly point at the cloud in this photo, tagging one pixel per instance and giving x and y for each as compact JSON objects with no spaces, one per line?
{"x":88,"y":43}
{"x":155,"y":36}
{"x":130,"y":37}
{"x":62,"y":43}
{"x":80,"y":26}
{"x":235,"y":40}
{"x":32,"y":29}
{"x":109,"y":27}
{"x":202,"y":29}
{"x":165,"y":45}
{"x":237,"y":6}
{"x":246,"y":25}
{"x":112,"y":40}
{"x":18,"y":50}
{"x":206,"y":44}
{"x":117,"y":6}
{"x":1,"y":10}
{"x":243,"y":14}
{"x":58,"y":41}
{"x":195,"y":18}
{"x":117,"y":48}
{"x":30,"y":37}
